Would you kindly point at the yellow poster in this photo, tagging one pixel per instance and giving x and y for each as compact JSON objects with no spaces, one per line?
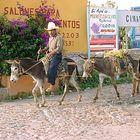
{"x":72,"y":14}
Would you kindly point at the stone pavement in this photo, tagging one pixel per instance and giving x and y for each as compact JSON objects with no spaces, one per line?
{"x":107,"y":119}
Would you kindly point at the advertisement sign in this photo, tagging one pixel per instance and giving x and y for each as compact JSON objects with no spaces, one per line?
{"x":72,"y":17}
{"x":128,"y":18}
{"x":103,"y":21}
{"x":103,"y":28}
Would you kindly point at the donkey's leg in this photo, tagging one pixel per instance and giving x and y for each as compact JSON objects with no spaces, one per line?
{"x":35,"y":94}
{"x":115,"y":87}
{"x":43,"y":95}
{"x":42,"y":91}
{"x":135,"y":86}
{"x":75,"y":84}
{"x":100,"y":85}
{"x":66,"y":83}
{"x":138,"y":86}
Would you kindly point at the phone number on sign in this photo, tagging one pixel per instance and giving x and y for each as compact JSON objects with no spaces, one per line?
{"x":70,"y":35}
{"x":68,"y":43}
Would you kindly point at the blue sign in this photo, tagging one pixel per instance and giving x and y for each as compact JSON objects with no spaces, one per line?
{"x":135,"y":33}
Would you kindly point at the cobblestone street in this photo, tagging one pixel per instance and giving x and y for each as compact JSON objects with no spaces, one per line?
{"x":107,"y":119}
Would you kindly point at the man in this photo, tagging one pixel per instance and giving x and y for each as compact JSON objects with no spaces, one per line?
{"x":53,"y":51}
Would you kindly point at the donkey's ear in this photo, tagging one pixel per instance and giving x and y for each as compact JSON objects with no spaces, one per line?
{"x":9,"y":61}
{"x":17,"y":61}
{"x":12,"y":61}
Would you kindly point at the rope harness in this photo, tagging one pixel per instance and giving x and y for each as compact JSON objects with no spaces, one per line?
{"x":45,"y":62}
{"x":25,"y":71}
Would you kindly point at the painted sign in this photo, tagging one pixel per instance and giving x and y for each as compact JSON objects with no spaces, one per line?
{"x":128,"y":18}
{"x":103,"y":29}
{"x":71,"y":14}
{"x":103,"y":21}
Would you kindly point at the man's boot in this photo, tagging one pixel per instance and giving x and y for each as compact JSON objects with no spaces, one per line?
{"x":51,"y":88}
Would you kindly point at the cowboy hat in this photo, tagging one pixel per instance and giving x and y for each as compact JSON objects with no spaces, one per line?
{"x":51,"y":26}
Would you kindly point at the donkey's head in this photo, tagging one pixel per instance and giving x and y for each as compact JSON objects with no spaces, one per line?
{"x":88,"y":67}
{"x":15,"y":70}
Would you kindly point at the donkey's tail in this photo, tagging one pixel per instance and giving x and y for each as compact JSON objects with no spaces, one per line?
{"x":77,"y":73}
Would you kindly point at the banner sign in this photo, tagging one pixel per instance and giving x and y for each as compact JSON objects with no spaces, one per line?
{"x":103,"y":28}
{"x":128,"y":18}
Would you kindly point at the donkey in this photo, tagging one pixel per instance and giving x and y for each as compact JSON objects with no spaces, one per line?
{"x":36,"y":70}
{"x":111,"y":67}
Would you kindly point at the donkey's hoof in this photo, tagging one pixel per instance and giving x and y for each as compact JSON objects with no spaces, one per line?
{"x":94,"y":100}
{"x":37,"y":104}
{"x":60,"y":102}
{"x":118,"y":98}
{"x":80,"y":98}
{"x":41,"y":105}
{"x":133,"y":94}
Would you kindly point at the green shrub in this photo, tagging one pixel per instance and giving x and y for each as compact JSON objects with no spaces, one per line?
{"x":19,"y":39}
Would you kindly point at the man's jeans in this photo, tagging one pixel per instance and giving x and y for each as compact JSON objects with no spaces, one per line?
{"x":52,"y":69}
